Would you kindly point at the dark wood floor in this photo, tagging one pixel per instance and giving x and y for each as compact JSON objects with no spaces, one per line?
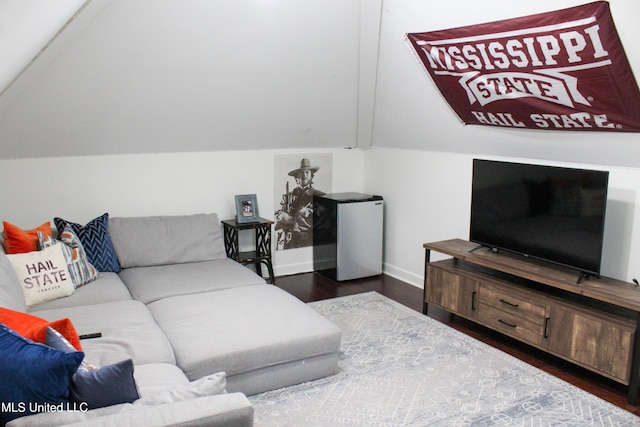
{"x":314,"y":287}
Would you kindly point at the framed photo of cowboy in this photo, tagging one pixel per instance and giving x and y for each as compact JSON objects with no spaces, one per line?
{"x":247,"y":208}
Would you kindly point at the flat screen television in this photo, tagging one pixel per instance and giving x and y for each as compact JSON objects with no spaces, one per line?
{"x":551,"y":213}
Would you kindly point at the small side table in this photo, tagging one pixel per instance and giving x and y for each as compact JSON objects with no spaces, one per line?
{"x":262,"y":244}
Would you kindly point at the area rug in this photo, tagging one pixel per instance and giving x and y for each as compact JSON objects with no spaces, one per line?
{"x":400,"y":368}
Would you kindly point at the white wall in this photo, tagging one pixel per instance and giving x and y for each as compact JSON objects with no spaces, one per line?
{"x":428,"y":198}
{"x":81,"y":188}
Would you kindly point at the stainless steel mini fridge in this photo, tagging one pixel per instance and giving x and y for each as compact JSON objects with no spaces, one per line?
{"x":347,"y":235}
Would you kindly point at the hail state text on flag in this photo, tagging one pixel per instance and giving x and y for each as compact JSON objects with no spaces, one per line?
{"x":563,"y":70}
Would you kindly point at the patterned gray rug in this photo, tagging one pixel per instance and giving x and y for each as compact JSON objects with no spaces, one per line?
{"x":400,"y":368}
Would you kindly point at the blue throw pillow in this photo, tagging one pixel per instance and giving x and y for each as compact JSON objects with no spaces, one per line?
{"x":96,"y":241}
{"x":98,"y":387}
{"x":32,"y":373}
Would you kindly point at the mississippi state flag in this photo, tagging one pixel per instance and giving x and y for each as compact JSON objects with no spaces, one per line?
{"x":562,"y":70}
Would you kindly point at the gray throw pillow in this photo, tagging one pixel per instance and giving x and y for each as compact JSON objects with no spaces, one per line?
{"x":206,"y":386}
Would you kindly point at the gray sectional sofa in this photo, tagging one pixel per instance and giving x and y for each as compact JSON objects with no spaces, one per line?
{"x":185,"y":314}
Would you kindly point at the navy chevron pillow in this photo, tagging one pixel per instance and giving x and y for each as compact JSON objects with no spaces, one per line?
{"x":95,"y":238}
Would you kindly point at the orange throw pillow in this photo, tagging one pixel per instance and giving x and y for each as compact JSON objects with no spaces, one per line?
{"x":35,"y":328}
{"x":19,"y":241}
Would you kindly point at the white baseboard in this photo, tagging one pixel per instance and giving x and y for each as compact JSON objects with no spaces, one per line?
{"x":404,"y":275}
{"x":290,"y":269}
{"x":390,"y":270}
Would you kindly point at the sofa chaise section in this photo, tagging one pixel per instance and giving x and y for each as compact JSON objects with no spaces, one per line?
{"x":217,"y":314}
{"x":261,"y":336}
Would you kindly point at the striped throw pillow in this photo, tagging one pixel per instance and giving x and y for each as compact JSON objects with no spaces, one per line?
{"x":80,"y":269}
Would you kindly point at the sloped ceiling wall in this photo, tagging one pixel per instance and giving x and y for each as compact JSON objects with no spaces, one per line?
{"x":194,"y":75}
{"x":27,"y":27}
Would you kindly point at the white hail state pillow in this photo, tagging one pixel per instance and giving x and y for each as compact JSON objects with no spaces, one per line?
{"x":44,"y":275}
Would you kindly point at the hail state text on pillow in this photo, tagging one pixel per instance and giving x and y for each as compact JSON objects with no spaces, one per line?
{"x":44,"y":274}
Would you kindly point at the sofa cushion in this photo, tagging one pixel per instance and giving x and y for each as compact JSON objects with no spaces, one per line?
{"x":96,"y":241}
{"x":159,"y":240}
{"x":128,"y":331}
{"x":43,"y":275}
{"x":107,"y":288}
{"x":148,"y":284}
{"x":18,"y":241}
{"x":11,"y":295}
{"x":243,"y":329}
{"x":32,"y":372}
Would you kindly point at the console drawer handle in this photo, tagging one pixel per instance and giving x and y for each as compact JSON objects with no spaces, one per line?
{"x":474,"y":297}
{"x":509,"y":303}
{"x":546,"y":327}
{"x":513,"y":325}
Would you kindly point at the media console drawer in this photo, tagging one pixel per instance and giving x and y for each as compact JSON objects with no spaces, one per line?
{"x":511,"y":324}
{"x":514,"y":303}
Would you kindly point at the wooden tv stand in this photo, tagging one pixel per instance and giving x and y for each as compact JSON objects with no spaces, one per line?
{"x":592,"y":324}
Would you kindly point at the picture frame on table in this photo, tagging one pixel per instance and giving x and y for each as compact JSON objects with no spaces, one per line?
{"x":247,"y":208}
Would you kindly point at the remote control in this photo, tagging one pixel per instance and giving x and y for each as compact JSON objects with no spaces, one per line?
{"x":88,"y":336}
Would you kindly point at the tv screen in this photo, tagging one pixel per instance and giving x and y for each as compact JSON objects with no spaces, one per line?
{"x":550,"y":213}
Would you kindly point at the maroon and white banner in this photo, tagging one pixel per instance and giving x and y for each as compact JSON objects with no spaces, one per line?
{"x":559,"y":70}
